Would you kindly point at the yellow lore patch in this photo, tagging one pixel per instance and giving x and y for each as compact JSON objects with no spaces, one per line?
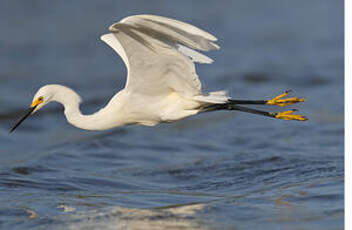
{"x":38,"y":101}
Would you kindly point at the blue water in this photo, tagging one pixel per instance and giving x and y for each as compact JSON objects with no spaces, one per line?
{"x":221,"y":170}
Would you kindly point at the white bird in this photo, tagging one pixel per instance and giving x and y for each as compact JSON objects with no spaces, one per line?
{"x":162,"y":84}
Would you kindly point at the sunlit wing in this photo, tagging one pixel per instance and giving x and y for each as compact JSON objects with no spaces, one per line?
{"x":160,"y":53}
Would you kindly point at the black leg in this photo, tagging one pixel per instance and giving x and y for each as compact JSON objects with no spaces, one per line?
{"x":248,"y":102}
{"x":286,"y":115}
{"x":249,"y":110}
{"x":279,"y":101}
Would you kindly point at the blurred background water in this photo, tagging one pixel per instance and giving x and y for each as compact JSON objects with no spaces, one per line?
{"x":223,"y":170}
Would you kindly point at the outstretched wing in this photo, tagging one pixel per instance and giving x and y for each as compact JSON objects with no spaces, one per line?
{"x":160,"y":53}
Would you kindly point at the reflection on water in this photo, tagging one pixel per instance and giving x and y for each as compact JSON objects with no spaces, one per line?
{"x":178,"y":217}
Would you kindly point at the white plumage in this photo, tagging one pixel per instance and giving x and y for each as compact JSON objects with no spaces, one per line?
{"x":162,"y":84}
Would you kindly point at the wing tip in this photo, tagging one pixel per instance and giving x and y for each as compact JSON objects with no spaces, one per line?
{"x":105,"y":37}
{"x":114,"y":43}
{"x":112,"y":28}
{"x":190,"y":28}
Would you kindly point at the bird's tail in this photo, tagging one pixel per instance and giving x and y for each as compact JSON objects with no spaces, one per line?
{"x":217,"y":97}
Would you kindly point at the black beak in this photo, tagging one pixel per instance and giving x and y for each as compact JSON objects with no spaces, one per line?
{"x":23,"y":118}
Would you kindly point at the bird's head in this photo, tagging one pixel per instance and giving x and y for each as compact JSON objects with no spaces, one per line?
{"x":43,"y":96}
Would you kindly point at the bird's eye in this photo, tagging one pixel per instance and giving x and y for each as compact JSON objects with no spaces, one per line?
{"x":40,"y":99}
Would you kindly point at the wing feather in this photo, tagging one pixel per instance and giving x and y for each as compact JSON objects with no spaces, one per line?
{"x":160,"y":53}
{"x":170,"y":29}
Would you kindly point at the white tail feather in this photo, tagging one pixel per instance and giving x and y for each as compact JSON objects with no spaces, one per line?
{"x":217,"y":97}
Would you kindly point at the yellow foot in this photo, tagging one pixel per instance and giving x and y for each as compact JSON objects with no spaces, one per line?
{"x":283,"y":102}
{"x":288,"y":115}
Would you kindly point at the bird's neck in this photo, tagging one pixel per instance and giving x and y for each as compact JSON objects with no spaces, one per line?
{"x":71,"y":102}
{"x":75,"y":117}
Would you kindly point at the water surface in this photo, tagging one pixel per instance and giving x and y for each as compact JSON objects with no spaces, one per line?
{"x":224,"y":170}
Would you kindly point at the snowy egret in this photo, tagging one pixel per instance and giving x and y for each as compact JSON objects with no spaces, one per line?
{"x":162,"y":83}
